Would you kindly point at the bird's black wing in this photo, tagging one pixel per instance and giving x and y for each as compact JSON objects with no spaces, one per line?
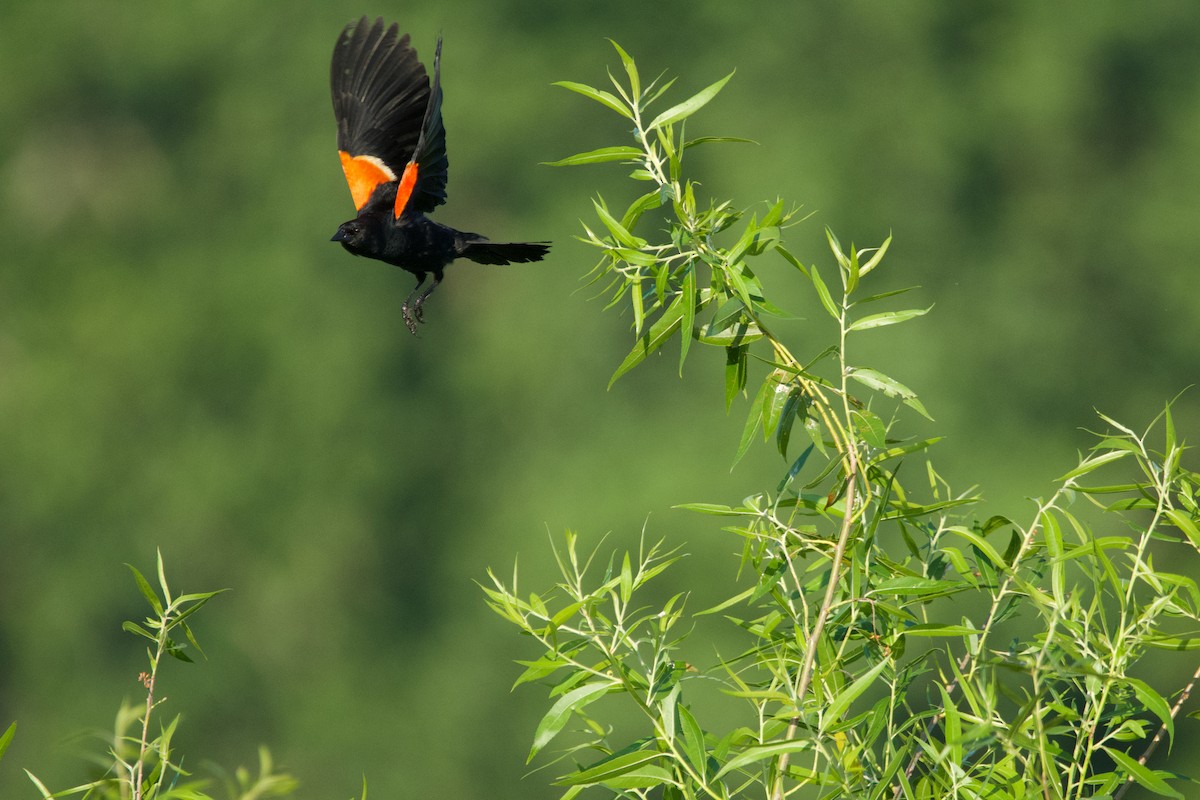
{"x":389,"y":118}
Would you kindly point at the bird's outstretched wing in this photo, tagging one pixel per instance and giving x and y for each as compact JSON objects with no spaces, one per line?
{"x":389,"y":118}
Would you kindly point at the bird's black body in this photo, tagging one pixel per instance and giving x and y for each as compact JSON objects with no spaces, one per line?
{"x":393,"y":151}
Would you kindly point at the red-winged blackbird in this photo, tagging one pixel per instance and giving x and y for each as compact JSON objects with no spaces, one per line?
{"x":393,"y":150}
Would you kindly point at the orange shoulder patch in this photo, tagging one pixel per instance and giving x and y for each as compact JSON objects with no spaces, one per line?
{"x":364,"y":173}
{"x":407,"y":181}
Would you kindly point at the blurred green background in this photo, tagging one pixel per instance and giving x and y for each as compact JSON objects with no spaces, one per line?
{"x":186,"y":362}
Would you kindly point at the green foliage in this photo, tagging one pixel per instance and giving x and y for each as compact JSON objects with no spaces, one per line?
{"x":142,"y":766}
{"x":894,"y":646}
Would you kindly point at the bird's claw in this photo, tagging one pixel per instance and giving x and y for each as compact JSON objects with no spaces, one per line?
{"x":413,"y":315}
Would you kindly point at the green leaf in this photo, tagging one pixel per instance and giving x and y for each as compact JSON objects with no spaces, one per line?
{"x":774,"y":402}
{"x":711,"y":508}
{"x":795,"y":468}
{"x":870,"y":427}
{"x":693,"y":740}
{"x":138,"y":630}
{"x":147,"y":591}
{"x":640,"y":206}
{"x":735,"y":372}
{"x":599,"y":95}
{"x":763,"y":752}
{"x":823,"y":293}
{"x":625,"y":764}
{"x":1185,"y":523}
{"x":688,"y":320}
{"x":841,"y":703}
{"x":982,"y":544}
{"x":658,"y":333}
{"x":836,"y":247}
{"x":884,"y":295}
{"x":635,"y":83}
{"x":600,"y":156}
{"x":1143,"y":775}
{"x":740,"y":332}
{"x":689,"y":106}
{"x":1155,"y":703}
{"x":889,"y":386}
{"x":637,"y":303}
{"x":558,"y":715}
{"x":791,"y":259}
{"x":162,"y":579}
{"x":7,"y":738}
{"x":753,"y":420}
{"x":875,"y":259}
{"x":620,"y":234}
{"x":934,"y":629}
{"x":714,"y":139}
{"x":1089,"y":464}
{"x":887,"y":318}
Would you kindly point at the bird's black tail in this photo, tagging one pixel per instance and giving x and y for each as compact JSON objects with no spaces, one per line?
{"x":484,"y":252}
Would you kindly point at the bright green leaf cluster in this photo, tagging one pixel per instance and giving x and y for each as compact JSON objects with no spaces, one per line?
{"x":894,"y":646}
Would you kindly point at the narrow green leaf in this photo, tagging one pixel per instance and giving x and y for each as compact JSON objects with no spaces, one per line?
{"x":889,"y":386}
{"x":753,"y":420}
{"x":640,"y":206}
{"x":558,"y":715}
{"x":46,"y":793}
{"x":688,"y":320}
{"x":689,"y":106}
{"x":693,"y":740}
{"x":658,"y":333}
{"x":870,"y":427}
{"x":7,"y":738}
{"x":762,"y":752}
{"x":604,"y":154}
{"x":841,"y":703}
{"x":637,"y":303}
{"x":791,"y":259}
{"x":1142,"y":774}
{"x":735,"y":372}
{"x":147,"y":591}
{"x":618,"y":230}
{"x":711,"y":508}
{"x":880,"y":382}
{"x":614,"y":767}
{"x":982,"y":544}
{"x":1089,"y":464}
{"x":904,"y":449}
{"x":599,"y":95}
{"x":836,"y":247}
{"x":138,"y":630}
{"x":884,"y":295}
{"x":934,"y":629}
{"x":774,"y":402}
{"x":635,"y":83}
{"x":823,"y":293}
{"x":887,"y":318}
{"x":875,"y":259}
{"x":715,"y":139}
{"x":795,"y":409}
{"x":1180,"y":519}
{"x":740,"y":332}
{"x":162,"y":579}
{"x":795,"y":468}
{"x":1156,"y":704}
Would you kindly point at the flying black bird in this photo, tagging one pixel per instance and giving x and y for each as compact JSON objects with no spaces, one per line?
{"x":393,"y":150}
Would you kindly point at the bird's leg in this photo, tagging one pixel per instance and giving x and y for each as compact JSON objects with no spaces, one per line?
{"x":437,"y":278}
{"x":412,"y":310}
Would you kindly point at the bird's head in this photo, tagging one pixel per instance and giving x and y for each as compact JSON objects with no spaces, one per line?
{"x":359,"y":235}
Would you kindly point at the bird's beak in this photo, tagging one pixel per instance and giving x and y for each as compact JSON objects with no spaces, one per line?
{"x":340,"y":236}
